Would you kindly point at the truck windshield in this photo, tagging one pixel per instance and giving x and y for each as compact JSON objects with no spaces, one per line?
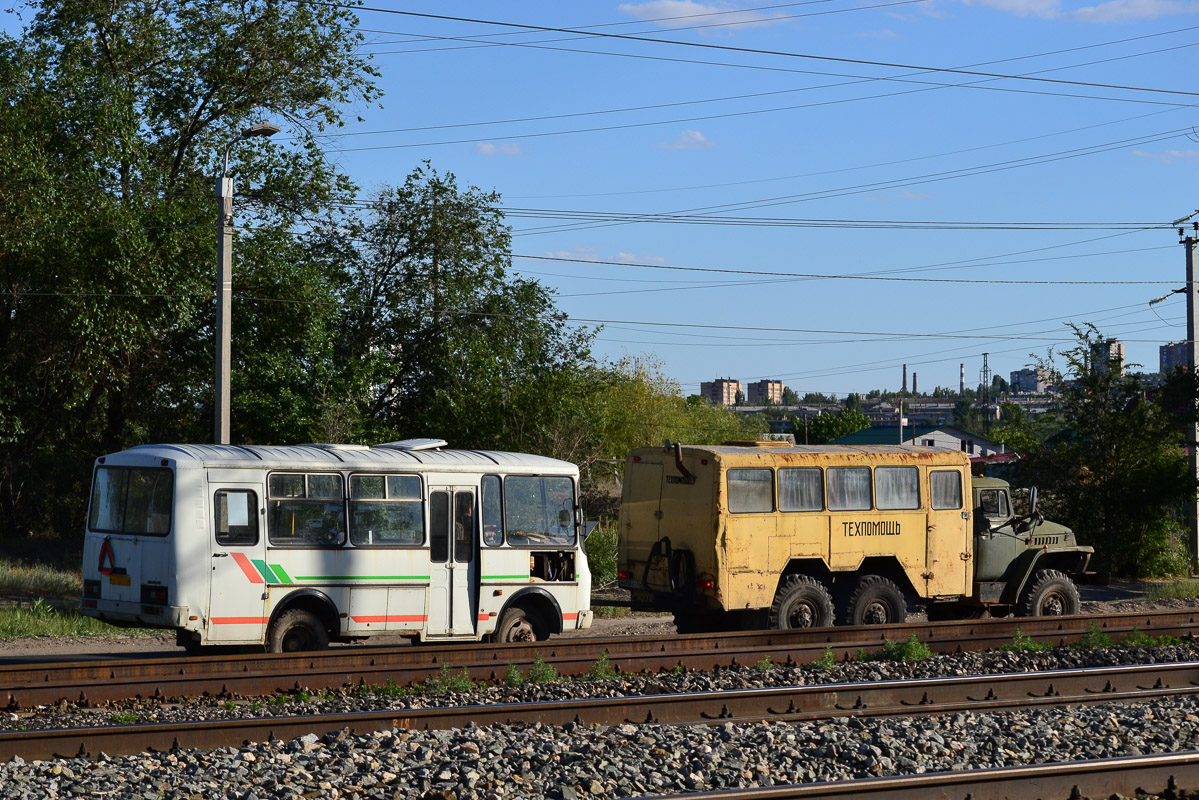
{"x":994,"y":504}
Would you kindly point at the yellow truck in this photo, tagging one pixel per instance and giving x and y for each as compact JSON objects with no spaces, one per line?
{"x":752,"y":535}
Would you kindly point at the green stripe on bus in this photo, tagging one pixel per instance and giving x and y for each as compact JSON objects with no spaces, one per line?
{"x":282,"y":573}
{"x":522,"y":577}
{"x":362,"y":577}
{"x":264,"y":570}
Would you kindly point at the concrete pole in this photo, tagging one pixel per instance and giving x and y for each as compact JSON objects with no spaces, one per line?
{"x":1193,"y":362}
{"x":224,"y":307}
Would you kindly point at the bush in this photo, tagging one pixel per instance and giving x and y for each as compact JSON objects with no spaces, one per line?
{"x":911,"y":650}
{"x":601,"y":552}
{"x":541,"y":672}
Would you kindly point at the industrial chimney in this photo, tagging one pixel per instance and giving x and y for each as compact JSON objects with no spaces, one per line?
{"x":914,"y":389}
{"x":905,"y":379}
{"x":962,"y":387}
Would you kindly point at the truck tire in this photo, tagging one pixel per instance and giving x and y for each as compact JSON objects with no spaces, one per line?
{"x":297,"y":631}
{"x":875,"y":600}
{"x":801,"y":602}
{"x":518,"y":625}
{"x":1049,"y":594}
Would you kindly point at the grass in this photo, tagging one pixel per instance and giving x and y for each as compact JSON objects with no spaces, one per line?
{"x":21,"y":579}
{"x":1167,"y":590}
{"x":911,"y":650}
{"x":826,"y":662}
{"x":1023,"y":642}
{"x":42,"y":618}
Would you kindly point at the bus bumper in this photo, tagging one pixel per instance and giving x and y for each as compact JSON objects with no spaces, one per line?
{"x":134,"y":615}
{"x":584,"y":619}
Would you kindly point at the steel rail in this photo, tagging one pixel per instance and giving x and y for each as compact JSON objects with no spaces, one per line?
{"x":89,"y":683}
{"x":920,"y":697}
{"x":1066,"y":780}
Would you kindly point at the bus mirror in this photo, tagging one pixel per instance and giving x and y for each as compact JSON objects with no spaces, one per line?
{"x":563,"y":518}
{"x":1032,"y":500}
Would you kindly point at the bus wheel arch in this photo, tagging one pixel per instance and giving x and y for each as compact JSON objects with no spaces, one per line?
{"x":801,"y":602}
{"x":532,"y":614}
{"x":306,"y":620}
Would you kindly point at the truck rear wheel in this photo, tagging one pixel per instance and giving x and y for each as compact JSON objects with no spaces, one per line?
{"x":801,"y":602}
{"x":875,"y":600}
{"x":1050,"y":594}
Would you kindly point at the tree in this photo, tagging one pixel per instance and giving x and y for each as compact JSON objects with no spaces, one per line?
{"x":739,"y":399}
{"x":790,"y":398}
{"x":1116,"y":473}
{"x":824,"y":428}
{"x":114,"y":124}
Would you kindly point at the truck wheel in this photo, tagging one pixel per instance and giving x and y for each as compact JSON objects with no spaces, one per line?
{"x":875,"y":600}
{"x":1050,"y":594}
{"x":518,"y":625}
{"x":297,"y":631}
{"x":801,"y":602}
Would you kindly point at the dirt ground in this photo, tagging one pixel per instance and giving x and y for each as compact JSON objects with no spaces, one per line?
{"x":1116,"y":598}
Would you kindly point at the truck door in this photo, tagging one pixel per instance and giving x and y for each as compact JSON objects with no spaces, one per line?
{"x":948,"y":564}
{"x":640,"y":513}
{"x":237,"y":591}
{"x":453,"y":567}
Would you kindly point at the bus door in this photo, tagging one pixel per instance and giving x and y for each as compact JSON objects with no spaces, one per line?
{"x":237,"y":590}
{"x":453,"y":569}
{"x":949,"y":533}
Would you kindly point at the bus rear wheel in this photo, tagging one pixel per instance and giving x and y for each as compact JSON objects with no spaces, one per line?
{"x":518,"y":625}
{"x":875,"y":600}
{"x":297,"y":631}
{"x":801,"y":602}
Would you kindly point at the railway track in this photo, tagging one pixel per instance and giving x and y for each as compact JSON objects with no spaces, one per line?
{"x":976,"y":693}
{"x":1100,"y":778}
{"x":90,"y":683}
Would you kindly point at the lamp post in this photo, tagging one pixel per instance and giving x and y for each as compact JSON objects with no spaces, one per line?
{"x":224,"y":282}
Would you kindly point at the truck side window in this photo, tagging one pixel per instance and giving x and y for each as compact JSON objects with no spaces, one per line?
{"x":946,"y":488}
{"x":750,"y":491}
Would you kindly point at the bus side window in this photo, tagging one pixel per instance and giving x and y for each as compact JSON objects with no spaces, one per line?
{"x":305,"y":509}
{"x":236,"y":514}
{"x":493,"y":515}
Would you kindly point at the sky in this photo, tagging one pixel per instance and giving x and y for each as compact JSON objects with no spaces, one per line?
{"x":817,"y":192}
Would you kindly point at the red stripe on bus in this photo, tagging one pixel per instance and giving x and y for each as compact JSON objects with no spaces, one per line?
{"x":239,"y":620}
{"x":247,"y":567}
{"x":392,"y":618}
{"x":570,"y":616}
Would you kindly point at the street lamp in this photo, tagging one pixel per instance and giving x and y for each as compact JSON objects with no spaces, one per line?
{"x":224,"y":240}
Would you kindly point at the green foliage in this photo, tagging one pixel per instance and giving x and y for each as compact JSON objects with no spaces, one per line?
{"x":1021,"y":641}
{"x":541,"y":672}
{"x":1138,"y":638}
{"x":123,"y":718}
{"x":229,"y":705}
{"x":513,"y":678}
{"x":826,"y":662}
{"x":1184,"y":587}
{"x":601,"y":670}
{"x":827,"y":427}
{"x":37,"y":580}
{"x":1093,"y":638}
{"x":911,"y":650}
{"x":601,"y":552}
{"x":765,"y":664}
{"x":446,"y":681}
{"x":389,"y":689}
{"x":1115,"y":474}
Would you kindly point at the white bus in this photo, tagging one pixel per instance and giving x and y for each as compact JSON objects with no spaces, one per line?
{"x":294,"y":547}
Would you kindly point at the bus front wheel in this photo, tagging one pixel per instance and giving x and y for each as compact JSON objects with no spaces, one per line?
{"x":297,"y":631}
{"x":518,"y":625}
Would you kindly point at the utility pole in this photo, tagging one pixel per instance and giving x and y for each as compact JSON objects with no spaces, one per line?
{"x":1192,"y":362}
{"x":984,"y":377}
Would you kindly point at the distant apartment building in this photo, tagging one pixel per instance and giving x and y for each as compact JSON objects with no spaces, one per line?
{"x":760,"y":393}
{"x":1172,"y":355}
{"x":1031,"y":381}
{"x":721,"y":392}
{"x":1107,"y":353}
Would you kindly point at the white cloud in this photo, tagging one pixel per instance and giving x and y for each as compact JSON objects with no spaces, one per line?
{"x":577,"y":254}
{"x":1169,"y":156}
{"x":688,"y":140}
{"x":630,"y":258}
{"x":1110,"y":11}
{"x":501,"y":149}
{"x":682,"y":13}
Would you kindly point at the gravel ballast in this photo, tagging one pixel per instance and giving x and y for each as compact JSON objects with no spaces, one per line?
{"x":576,"y":761}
